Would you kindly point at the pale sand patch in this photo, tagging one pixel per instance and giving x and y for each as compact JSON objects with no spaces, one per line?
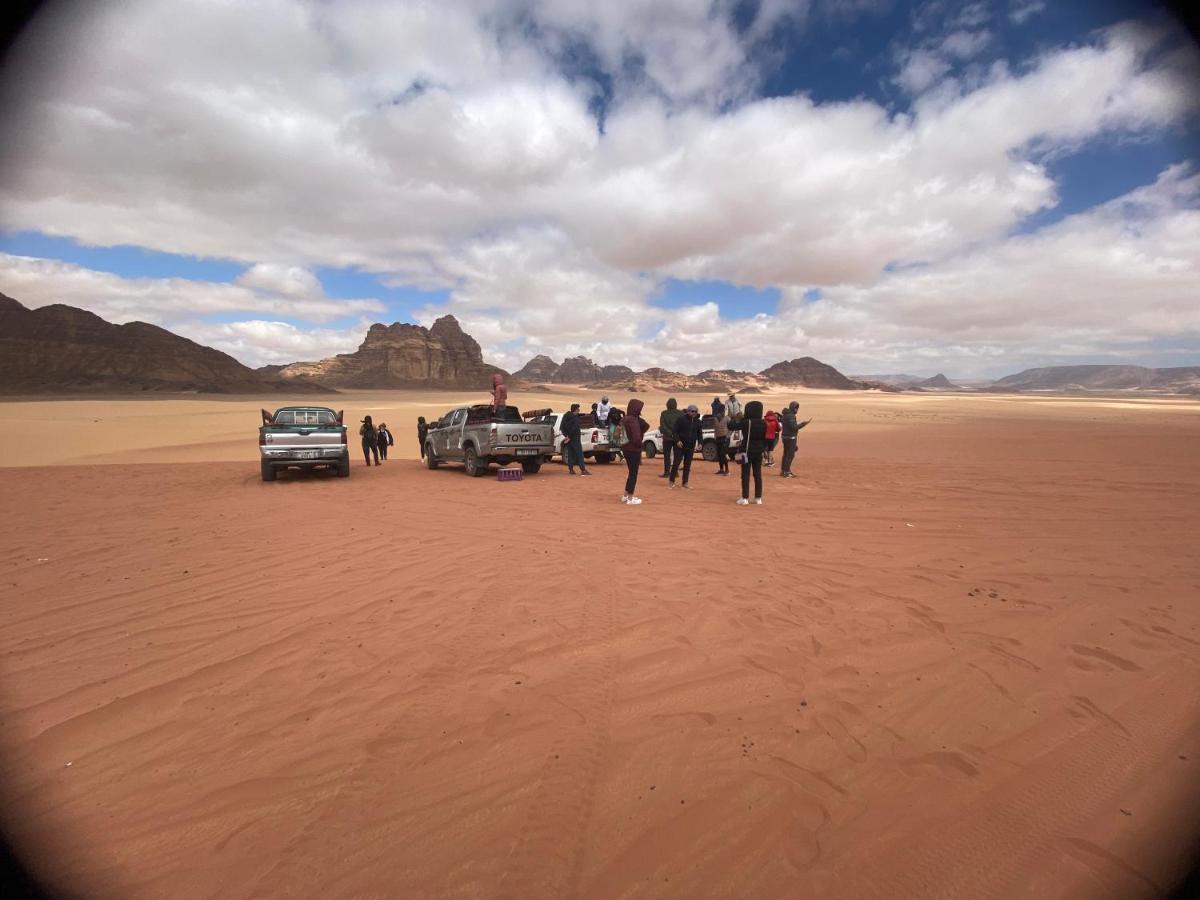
{"x":957,"y":657}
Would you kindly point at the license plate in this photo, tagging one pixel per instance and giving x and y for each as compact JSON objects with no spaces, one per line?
{"x":307,"y":454}
{"x":527,"y":451}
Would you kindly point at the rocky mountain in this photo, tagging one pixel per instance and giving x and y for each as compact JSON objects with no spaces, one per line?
{"x":1102,"y":378}
{"x":938,"y":382}
{"x":539,"y":369}
{"x":896,"y":379}
{"x":403,"y":355}
{"x":718,"y":381}
{"x":61,"y":349}
{"x":808,"y":372}
{"x":573,"y":370}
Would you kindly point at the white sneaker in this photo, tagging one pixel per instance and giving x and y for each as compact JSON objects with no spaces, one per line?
{"x":742,"y":501}
{"x":671,"y":485}
{"x":634,"y":501}
{"x":624,"y":498}
{"x":758,"y":501}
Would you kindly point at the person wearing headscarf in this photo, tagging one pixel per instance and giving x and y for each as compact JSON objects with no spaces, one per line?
{"x":687,"y":434}
{"x":422,"y":431}
{"x":733,"y":406}
{"x":499,"y":394}
{"x":634,"y":427}
{"x":754,"y":443}
{"x":602,"y":412}
{"x":573,"y":441}
{"x":370,"y":439}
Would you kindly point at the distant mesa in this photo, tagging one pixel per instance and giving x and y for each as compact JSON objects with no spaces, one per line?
{"x":938,"y":382}
{"x":61,"y":349}
{"x":403,"y":356}
{"x":808,"y":372}
{"x":1180,"y":380}
{"x":573,"y":370}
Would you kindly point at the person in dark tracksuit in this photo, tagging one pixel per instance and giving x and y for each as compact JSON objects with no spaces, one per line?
{"x":573,"y":441}
{"x":384,"y":440}
{"x":790,"y":430}
{"x":422,"y":431}
{"x":370,"y":440}
{"x":666,"y":426}
{"x":754,"y":443}
{"x":687,"y":434}
{"x":632,"y":449}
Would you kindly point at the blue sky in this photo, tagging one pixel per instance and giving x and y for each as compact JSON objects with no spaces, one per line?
{"x":599,"y":181}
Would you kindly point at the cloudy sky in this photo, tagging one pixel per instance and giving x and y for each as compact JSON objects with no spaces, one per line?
{"x":972,"y":188}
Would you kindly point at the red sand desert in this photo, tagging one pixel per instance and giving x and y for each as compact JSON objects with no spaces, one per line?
{"x":957,"y":657}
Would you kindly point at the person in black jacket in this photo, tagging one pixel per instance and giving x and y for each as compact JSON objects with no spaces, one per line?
{"x":384,"y":438}
{"x":370,"y":440}
{"x":754,"y":443}
{"x":422,"y":431}
{"x":791,"y":429}
{"x":687,"y":433}
{"x":666,"y":427}
{"x":573,"y":441}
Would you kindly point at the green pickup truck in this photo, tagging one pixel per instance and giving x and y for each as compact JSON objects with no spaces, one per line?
{"x":302,"y":437}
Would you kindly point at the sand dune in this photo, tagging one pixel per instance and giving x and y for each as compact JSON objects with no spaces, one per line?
{"x":956,"y":658}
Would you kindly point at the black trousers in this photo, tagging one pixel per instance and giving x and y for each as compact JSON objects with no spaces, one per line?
{"x":789,"y":454}
{"x":668,"y":454}
{"x":754,"y":464}
{"x":383,"y":449}
{"x":575,"y":454}
{"x":368,"y":449}
{"x":421,"y":441}
{"x":633,"y":459}
{"x":682,"y":456}
{"x":722,"y":454}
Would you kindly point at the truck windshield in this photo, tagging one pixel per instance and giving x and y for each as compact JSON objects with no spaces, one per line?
{"x":304,"y":417}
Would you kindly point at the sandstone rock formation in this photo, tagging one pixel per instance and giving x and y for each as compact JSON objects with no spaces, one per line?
{"x":61,"y":349}
{"x":540,"y":369}
{"x":1185,"y":379}
{"x":808,"y":372}
{"x":405,"y":356}
{"x":573,"y":370}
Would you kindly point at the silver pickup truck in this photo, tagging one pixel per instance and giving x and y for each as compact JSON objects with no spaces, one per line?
{"x":477,"y":436}
{"x":301,"y":437}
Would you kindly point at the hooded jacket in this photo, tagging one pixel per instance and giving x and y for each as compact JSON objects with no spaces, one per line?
{"x":772,"y":420}
{"x":667,"y":419}
{"x":499,"y":392}
{"x":633,"y":426}
{"x":754,"y":429}
{"x":687,"y":429}
{"x":791,"y":427}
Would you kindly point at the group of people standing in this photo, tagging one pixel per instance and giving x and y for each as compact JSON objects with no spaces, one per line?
{"x":375,"y":440}
{"x":681,"y":432}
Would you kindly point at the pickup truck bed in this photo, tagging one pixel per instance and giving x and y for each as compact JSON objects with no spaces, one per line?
{"x":302,"y":437}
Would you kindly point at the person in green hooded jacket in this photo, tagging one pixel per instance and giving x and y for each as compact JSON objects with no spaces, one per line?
{"x":666,"y":425}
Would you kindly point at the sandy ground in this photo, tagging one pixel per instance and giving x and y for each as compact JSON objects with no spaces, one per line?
{"x":958,"y":657}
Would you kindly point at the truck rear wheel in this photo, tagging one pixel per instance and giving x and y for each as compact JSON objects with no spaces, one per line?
{"x":474,"y":467}
{"x":603,"y":457}
{"x":530,"y":466}
{"x":343,"y":466}
{"x":268,"y":471}
{"x":651,"y":450}
{"x":709,"y":451}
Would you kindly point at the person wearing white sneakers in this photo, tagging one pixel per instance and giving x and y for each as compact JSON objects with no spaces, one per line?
{"x":632,"y":449}
{"x":754,"y":442}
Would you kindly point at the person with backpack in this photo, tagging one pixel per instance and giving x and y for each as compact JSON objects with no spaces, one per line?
{"x":754,"y":442}
{"x":666,"y":426}
{"x":772,"y":421}
{"x":635,"y":428}
{"x":384,"y":440}
{"x":790,"y":430}
{"x":370,"y":440}
{"x":687,"y":434}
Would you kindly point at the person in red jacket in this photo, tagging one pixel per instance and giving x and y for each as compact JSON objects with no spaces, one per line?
{"x":771,"y":419}
{"x":499,"y":394}
{"x":632,"y":449}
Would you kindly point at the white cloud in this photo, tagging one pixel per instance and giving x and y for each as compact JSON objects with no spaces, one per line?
{"x":442,"y":145}
{"x":258,"y":343}
{"x":1023,"y":10}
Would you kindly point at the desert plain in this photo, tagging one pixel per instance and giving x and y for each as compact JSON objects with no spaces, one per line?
{"x":958,"y":656}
